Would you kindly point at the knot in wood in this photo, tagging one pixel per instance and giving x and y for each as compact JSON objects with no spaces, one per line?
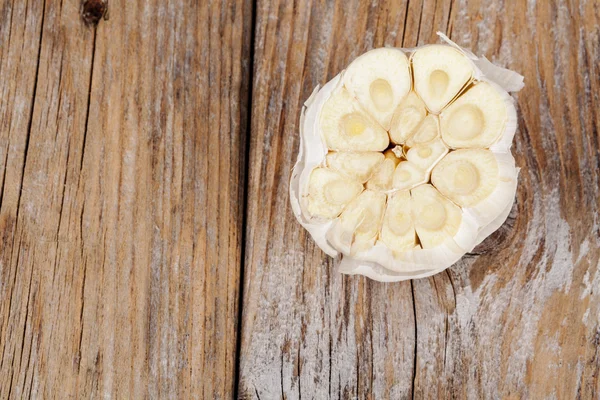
{"x":93,"y":10}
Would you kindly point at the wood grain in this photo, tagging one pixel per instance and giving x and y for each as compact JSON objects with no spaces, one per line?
{"x":121,"y":174}
{"x":517,"y":318}
{"x":122,"y":188}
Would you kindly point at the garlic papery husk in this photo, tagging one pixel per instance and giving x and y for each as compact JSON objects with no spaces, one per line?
{"x":392,"y":174}
{"x":375,"y":271}
{"x":311,"y":153}
{"x":493,"y":226}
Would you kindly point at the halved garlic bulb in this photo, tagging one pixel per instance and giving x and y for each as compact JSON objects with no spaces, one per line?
{"x":405,"y":161}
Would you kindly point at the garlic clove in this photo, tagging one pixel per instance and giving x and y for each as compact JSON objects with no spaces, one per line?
{"x":440,"y":72}
{"x":407,"y":117}
{"x":379,"y":80}
{"x":428,"y":130}
{"x":329,"y":192}
{"x":426,"y":155}
{"x":435,"y":217}
{"x":355,"y":165}
{"x":407,"y":175}
{"x":398,"y":230}
{"x":357,"y":227}
{"x":477,"y":180}
{"x":346,"y":127}
{"x":476,"y":119}
{"x":381,"y":180}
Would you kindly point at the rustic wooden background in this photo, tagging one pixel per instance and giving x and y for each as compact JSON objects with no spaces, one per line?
{"x":148,"y":250}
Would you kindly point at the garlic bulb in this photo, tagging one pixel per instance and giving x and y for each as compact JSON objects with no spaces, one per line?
{"x":404,"y":162}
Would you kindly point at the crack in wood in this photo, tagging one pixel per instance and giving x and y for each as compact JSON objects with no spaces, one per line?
{"x":414,"y":303}
{"x":405,"y":20}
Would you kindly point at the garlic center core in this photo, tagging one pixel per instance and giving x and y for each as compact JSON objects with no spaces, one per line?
{"x":424,"y":152}
{"x":400,"y":223}
{"x":466,"y":122}
{"x":381,"y":94}
{"x":466,"y":178}
{"x":432,"y":216}
{"x":337,"y":192}
{"x":438,"y":83}
{"x":403,"y":176}
{"x":353,"y":124}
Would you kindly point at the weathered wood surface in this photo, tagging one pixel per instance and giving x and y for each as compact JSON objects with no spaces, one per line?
{"x":121,"y":174}
{"x":519,"y":317}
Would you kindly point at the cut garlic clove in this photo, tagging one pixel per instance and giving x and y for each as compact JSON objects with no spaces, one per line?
{"x":407,"y":175}
{"x":382,"y":177}
{"x":426,"y":155}
{"x":477,"y":180}
{"x":476,"y":119}
{"x":358,"y":226}
{"x":355,"y":165}
{"x":329,"y":192}
{"x":436,"y":218}
{"x":398,"y":230}
{"x":381,"y":180}
{"x":467,"y":177}
{"x":440,"y":72}
{"x":346,"y":127}
{"x":428,"y":130}
{"x":407,"y":117}
{"x":379,"y":79}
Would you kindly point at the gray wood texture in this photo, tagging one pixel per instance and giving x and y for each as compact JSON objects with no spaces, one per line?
{"x":147,"y":245}
{"x":518,"y":318}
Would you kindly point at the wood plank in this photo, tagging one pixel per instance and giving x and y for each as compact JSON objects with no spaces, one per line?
{"x":517,"y":318}
{"x":121,"y":159}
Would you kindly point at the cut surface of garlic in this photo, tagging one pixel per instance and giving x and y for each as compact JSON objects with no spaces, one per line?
{"x":440,"y":73}
{"x":346,"y":127}
{"x":379,"y":80}
{"x":405,"y":160}
{"x":476,"y":119}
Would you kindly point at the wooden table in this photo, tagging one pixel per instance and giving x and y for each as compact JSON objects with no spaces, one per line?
{"x":148,"y":249}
